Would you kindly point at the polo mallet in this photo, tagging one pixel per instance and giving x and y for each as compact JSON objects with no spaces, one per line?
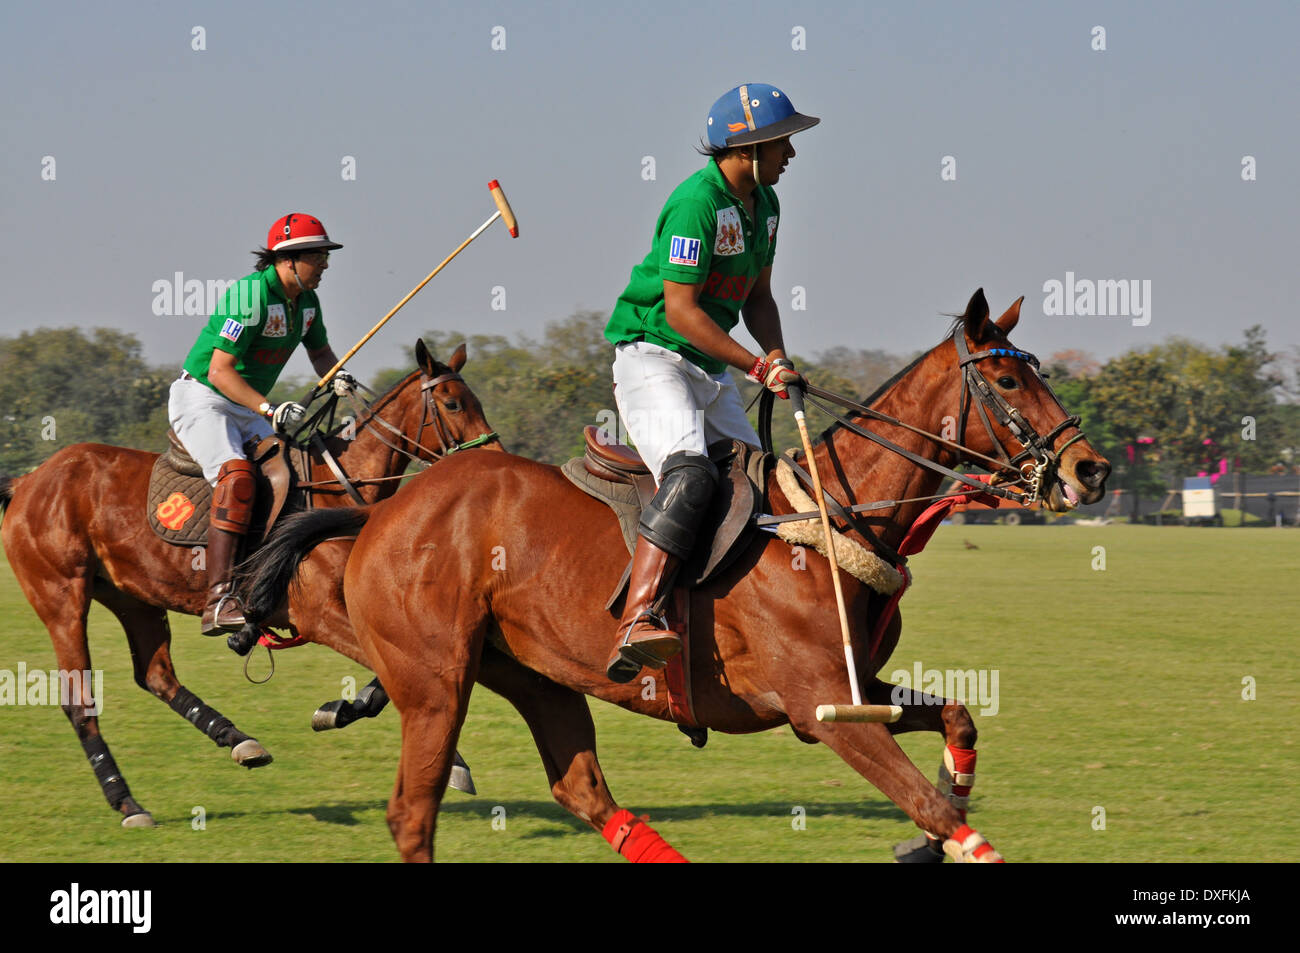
{"x":857,"y":712}
{"x":503,"y":212}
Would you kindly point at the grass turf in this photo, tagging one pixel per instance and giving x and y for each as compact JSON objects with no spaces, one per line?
{"x":1120,"y":689}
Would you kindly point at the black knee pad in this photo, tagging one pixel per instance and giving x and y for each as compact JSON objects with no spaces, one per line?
{"x":673,"y":518}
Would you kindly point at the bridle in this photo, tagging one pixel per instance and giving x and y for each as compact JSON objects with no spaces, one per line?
{"x":1034,"y":468}
{"x":1046,"y":459}
{"x":368,"y":418}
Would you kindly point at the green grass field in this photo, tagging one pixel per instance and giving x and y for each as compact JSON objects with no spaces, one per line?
{"x":1118,"y":689}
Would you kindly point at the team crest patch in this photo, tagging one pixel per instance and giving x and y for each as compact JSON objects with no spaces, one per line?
{"x":276,"y":325}
{"x":232,"y":329}
{"x":771,"y":228}
{"x":684,"y":251}
{"x":730,"y":240}
{"x":308,"y":316}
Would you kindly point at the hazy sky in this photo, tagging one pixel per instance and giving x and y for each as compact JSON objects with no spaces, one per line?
{"x":1117,"y":164}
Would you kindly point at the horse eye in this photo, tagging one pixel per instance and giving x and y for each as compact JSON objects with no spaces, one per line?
{"x":453,"y":406}
{"x":1007,"y":383}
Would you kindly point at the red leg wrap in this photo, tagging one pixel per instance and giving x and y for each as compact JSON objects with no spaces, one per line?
{"x":963,"y":760}
{"x":640,"y":843}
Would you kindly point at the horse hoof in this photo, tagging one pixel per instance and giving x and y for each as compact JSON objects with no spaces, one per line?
{"x":143,"y":819}
{"x":250,"y":754}
{"x":460,"y":778}
{"x":919,"y":850}
{"x":326,"y":717}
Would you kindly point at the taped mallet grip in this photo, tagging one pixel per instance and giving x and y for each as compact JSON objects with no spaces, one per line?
{"x":886,"y":714}
{"x":507,"y":214}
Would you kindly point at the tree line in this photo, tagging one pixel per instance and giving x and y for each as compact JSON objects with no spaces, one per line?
{"x":1159,"y":413}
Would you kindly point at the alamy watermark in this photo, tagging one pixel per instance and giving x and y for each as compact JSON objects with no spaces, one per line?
{"x":52,"y":687}
{"x":968,"y":686}
{"x":654,"y":426}
{"x":1105,"y":297}
{"x":75,"y":905}
{"x":237,"y":298}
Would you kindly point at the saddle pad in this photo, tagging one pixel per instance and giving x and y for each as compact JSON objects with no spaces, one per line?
{"x":178,"y":504}
{"x":619,"y":497}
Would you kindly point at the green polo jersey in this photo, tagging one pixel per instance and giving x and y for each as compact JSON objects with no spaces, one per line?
{"x":260,"y":326}
{"x":705,"y":237}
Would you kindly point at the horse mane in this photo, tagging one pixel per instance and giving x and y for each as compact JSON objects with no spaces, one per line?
{"x":875,"y":395}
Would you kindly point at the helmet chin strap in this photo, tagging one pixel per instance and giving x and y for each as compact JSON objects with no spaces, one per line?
{"x":294,"y":266}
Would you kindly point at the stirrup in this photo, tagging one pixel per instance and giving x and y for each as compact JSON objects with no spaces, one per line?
{"x":632,"y":658}
{"x":219,"y":628}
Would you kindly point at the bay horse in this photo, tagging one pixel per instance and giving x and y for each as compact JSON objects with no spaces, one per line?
{"x":75,"y":529}
{"x":495,"y":569}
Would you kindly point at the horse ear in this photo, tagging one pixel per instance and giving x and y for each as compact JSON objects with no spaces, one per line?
{"x":457,"y":359}
{"x":976,"y":316}
{"x":1010,"y":316}
{"x":423,"y":357}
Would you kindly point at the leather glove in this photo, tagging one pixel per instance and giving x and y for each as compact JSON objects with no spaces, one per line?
{"x":776,"y":375}
{"x":343,"y":383}
{"x":288,"y":414}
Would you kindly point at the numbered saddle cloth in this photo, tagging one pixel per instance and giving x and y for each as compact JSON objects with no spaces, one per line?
{"x":179,"y":500}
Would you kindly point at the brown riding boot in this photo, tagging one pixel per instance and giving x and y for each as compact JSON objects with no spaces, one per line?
{"x":232,"y":511}
{"x":223,"y":612}
{"x":645,"y":639}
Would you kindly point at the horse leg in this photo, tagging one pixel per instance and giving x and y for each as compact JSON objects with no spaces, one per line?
{"x":320,"y":614}
{"x":61,"y":597}
{"x":871,"y":750}
{"x":431,"y":690}
{"x":560,"y":721}
{"x":149,"y":635}
{"x":922,"y":712}
{"x":340,"y":712}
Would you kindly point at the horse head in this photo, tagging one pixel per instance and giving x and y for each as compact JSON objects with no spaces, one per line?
{"x":1007,"y":409}
{"x":450,"y":408}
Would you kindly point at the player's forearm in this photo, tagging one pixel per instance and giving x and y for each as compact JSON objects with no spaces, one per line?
{"x":764,"y":323}
{"x":229,"y":383}
{"x":323,"y":361}
{"x":699,"y":329}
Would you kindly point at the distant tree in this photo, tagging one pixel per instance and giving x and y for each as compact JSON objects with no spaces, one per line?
{"x":1189,"y":401}
{"x":60,"y":386}
{"x":1073,"y":363}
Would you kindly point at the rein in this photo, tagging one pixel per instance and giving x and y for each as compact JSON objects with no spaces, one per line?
{"x":1036,"y":476}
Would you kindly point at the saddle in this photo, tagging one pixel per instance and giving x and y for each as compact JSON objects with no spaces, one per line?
{"x":180,"y":499}
{"x":613,"y":473}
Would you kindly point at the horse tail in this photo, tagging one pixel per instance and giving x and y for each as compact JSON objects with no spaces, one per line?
{"x":262,"y":581}
{"x":6,"y":492}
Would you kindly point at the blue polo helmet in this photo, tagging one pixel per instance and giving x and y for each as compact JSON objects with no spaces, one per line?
{"x":754,"y":112}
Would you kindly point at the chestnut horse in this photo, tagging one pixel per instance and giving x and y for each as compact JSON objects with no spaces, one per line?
{"x":498,"y":574}
{"x":76,"y":530}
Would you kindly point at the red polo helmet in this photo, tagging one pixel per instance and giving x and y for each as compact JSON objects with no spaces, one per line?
{"x":297,"y":232}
